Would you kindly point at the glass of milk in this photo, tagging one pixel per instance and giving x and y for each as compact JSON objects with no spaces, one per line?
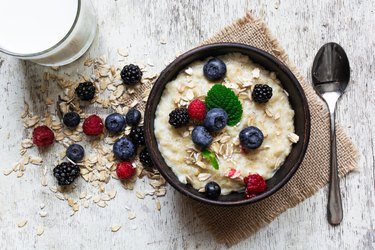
{"x":47,"y":32}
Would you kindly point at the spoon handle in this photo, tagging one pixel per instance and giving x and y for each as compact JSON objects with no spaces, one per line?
{"x":334,"y":197}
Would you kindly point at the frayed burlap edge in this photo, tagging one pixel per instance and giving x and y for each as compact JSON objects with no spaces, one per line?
{"x":205,"y":212}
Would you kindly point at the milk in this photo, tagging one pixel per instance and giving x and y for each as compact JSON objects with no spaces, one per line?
{"x":49,"y":32}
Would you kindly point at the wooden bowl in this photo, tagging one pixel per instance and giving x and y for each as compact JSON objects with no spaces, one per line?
{"x":297,"y":100}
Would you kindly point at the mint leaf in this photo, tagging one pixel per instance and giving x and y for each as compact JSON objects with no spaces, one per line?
{"x":211,"y":157}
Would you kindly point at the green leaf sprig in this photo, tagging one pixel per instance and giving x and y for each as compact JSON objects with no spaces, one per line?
{"x":211,"y":157}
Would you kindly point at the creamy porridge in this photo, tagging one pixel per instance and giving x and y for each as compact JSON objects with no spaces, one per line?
{"x":274,"y":118}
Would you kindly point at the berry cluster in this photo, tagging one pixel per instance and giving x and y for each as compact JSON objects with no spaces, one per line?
{"x":124,"y":148}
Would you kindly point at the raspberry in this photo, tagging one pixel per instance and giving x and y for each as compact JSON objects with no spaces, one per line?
{"x":93,"y":125}
{"x":124,"y":170}
{"x":255,"y":184}
{"x":197,"y":110}
{"x":43,"y":136}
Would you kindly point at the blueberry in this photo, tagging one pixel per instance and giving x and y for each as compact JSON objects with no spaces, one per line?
{"x":201,"y":136}
{"x":251,"y":137}
{"x":115,"y":123}
{"x":71,"y":119}
{"x":212,"y":190}
{"x":124,"y":149}
{"x":75,"y":152}
{"x":133,"y":117}
{"x":214,"y":69}
{"x":216,"y":119}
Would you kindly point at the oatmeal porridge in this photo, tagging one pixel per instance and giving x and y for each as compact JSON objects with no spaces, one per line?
{"x":274,"y":118}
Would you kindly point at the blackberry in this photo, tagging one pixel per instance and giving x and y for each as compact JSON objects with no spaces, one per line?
{"x":131,"y":74}
{"x":71,"y":119}
{"x":261,"y":93}
{"x":86,"y":91}
{"x":179,"y":117}
{"x":137,"y":135}
{"x":65,"y":173}
{"x":145,"y":159}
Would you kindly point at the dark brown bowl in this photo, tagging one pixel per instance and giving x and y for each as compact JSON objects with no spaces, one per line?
{"x":297,"y":100}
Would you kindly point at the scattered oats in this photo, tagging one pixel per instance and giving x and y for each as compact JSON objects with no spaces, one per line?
{"x":189,"y":71}
{"x":140,"y":195}
{"x":27,"y":143}
{"x":23,"y":151}
{"x":201,"y":190}
{"x":115,"y":228}
{"x":112,"y":193}
{"x":44,"y":181}
{"x":86,"y":204}
{"x":42,"y":213}
{"x":31,"y":122}
{"x":25,"y":110}
{"x":8,"y":171}
{"x":256,"y":73}
{"x":286,"y":92}
{"x":101,"y":204}
{"x":122,"y":52}
{"x":163,"y":40}
{"x":277,"y":116}
{"x":83,"y":194}
{"x":293,"y":137}
{"x":158,"y":206}
{"x":204,"y":176}
{"x":53,"y":189}
{"x":105,"y":197}
{"x":20,"y":174}
{"x":88,"y":62}
{"x":22,"y":223}
{"x":161,"y":192}
{"x":25,"y":160}
{"x":60,"y":196}
{"x":42,"y":205}
{"x":96,"y":198}
{"x":131,"y":215}
{"x":40,"y":230}
{"x":36,"y":160}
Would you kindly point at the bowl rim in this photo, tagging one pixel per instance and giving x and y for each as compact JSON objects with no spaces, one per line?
{"x":149,"y":133}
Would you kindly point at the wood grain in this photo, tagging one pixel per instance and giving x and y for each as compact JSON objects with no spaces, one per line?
{"x":301,"y":27}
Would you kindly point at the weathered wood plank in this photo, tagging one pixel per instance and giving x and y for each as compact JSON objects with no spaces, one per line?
{"x":301,"y":26}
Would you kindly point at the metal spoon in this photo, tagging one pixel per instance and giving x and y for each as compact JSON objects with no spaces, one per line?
{"x":330,"y":75}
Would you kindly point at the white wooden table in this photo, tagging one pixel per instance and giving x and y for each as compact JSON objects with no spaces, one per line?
{"x":301,"y":26}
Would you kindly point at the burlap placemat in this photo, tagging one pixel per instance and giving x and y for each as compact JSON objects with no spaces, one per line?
{"x":231,"y":225}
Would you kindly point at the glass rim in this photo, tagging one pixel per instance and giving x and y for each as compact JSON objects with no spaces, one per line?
{"x":54,"y":46}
